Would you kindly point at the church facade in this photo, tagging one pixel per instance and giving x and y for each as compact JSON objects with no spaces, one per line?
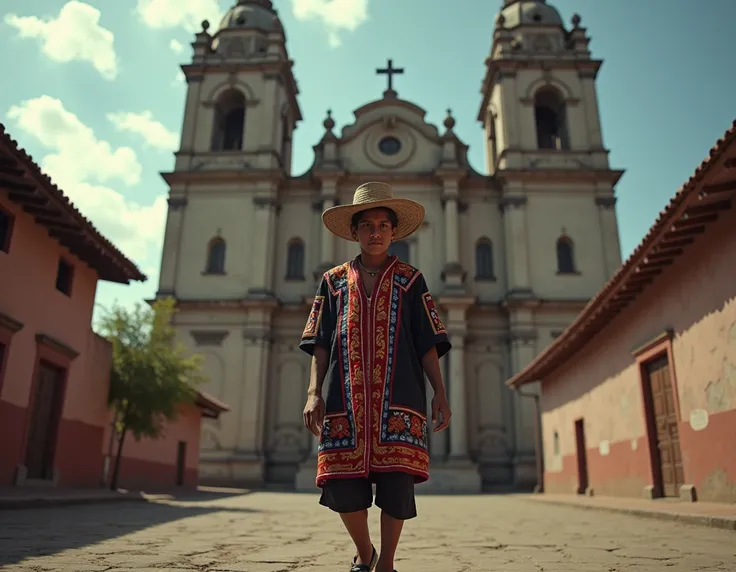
{"x":511,"y":255}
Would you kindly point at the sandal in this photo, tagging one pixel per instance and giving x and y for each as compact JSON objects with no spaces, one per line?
{"x":365,"y":567}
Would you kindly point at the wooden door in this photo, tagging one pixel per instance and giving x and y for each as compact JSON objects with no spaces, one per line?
{"x":582,"y":457}
{"x":44,"y":423}
{"x":667,"y":456}
{"x":181,"y":461}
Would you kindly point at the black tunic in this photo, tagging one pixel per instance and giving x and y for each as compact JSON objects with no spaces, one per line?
{"x":376,"y":405}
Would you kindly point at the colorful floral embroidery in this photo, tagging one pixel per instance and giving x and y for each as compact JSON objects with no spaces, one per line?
{"x":315,"y":316}
{"x":337,"y":430}
{"x":369,"y":435}
{"x":406,"y":427}
{"x":434,"y":316}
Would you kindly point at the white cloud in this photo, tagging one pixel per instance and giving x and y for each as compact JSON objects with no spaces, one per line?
{"x":186,"y":14}
{"x":75,"y":34}
{"x":153,"y":132}
{"x":336,"y":15}
{"x":79,"y":162}
{"x":79,"y":155}
{"x":176,"y":46}
{"x":180,"y":78}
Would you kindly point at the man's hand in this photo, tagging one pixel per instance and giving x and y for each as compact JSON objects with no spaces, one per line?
{"x":314,"y":414}
{"x":440,"y":412}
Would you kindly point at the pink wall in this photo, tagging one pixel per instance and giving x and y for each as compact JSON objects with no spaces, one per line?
{"x":696,"y":297}
{"x":32,"y":299}
{"x":153,"y":463}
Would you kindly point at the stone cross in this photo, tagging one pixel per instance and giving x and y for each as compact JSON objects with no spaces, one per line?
{"x":390,"y":70}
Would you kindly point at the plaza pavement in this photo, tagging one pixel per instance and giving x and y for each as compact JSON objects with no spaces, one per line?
{"x":275,"y":532}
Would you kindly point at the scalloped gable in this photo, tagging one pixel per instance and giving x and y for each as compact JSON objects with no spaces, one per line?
{"x":380,"y":109}
{"x":419,"y":147}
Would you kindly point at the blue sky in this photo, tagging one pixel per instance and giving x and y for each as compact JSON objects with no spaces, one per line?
{"x":92,"y":90}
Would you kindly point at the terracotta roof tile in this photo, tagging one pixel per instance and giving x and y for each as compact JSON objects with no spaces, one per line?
{"x":212,"y":406}
{"x":29,"y":186}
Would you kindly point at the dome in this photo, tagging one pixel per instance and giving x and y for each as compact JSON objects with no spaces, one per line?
{"x":529,"y":13}
{"x":251,"y":14}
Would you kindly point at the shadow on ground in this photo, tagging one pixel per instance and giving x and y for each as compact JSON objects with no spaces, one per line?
{"x":47,"y":531}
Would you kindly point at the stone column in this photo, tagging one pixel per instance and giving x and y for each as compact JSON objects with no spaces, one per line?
{"x":458,"y":400}
{"x":459,"y":473}
{"x":517,"y":257}
{"x":171,"y":248}
{"x":261,"y":255}
{"x":609,"y":234}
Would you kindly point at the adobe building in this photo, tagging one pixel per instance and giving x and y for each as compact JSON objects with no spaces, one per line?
{"x":638,"y":394}
{"x":170,"y":461}
{"x":54,"y":370}
{"x":512,"y":253}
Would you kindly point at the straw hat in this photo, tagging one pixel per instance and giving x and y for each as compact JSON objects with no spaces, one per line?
{"x":372,"y":196}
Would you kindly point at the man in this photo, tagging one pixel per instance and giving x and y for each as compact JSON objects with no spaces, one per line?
{"x":374,"y":332}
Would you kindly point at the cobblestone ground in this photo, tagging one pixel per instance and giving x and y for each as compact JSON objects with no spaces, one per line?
{"x":270,"y":532}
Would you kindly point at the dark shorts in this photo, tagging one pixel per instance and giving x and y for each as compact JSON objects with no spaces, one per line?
{"x":394,"y":494}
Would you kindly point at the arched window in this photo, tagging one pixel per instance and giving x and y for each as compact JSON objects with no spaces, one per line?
{"x":550,"y":118}
{"x":229,"y":122}
{"x":484,"y":259}
{"x":565,"y":256}
{"x":216,"y":256}
{"x":556,"y":444}
{"x":400,"y":249}
{"x":295,"y":259}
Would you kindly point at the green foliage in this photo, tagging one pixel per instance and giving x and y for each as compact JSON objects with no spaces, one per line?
{"x":151,"y":374}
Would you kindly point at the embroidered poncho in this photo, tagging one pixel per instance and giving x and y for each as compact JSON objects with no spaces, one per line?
{"x":376,"y":404}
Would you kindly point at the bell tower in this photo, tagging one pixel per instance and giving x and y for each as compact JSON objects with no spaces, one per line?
{"x":539,"y":93}
{"x":241,"y":98}
{"x":544,"y":146}
{"x":224,"y":209}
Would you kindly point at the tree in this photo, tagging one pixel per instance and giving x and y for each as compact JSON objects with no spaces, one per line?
{"x":151,"y":376}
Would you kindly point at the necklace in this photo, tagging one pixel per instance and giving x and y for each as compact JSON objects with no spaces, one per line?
{"x":371,"y":273}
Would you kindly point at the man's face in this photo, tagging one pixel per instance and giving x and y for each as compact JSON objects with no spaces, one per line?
{"x":374,"y":231}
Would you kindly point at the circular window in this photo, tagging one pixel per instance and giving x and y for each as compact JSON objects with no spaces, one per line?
{"x":389,"y":145}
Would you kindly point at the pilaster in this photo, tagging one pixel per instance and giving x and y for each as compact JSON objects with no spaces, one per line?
{"x":252,"y":400}
{"x":522,"y":351}
{"x":260,"y":121}
{"x":592,"y":113}
{"x":609,"y":234}
{"x":262,"y":255}
{"x":513,"y":207}
{"x":328,"y":199}
{"x":452,"y":273}
{"x":509,"y":110}
{"x":172,"y":241}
